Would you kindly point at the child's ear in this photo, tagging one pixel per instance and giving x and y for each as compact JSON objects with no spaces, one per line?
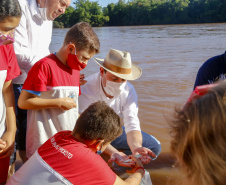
{"x":71,"y":48}
{"x":99,"y":143}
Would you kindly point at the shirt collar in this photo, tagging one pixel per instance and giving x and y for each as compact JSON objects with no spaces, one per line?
{"x":34,"y":8}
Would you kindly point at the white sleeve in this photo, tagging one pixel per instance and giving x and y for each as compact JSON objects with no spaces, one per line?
{"x":32,"y":39}
{"x":130,"y":112}
{"x":84,"y":100}
{"x":21,"y":45}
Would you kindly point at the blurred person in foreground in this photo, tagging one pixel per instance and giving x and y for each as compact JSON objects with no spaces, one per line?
{"x":73,"y":157}
{"x":199,"y":140}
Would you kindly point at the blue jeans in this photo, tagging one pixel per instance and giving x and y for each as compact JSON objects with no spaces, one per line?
{"x":149,"y":141}
{"x":21,"y":120}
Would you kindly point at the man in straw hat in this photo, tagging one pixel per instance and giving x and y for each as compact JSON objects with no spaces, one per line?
{"x":111,"y":85}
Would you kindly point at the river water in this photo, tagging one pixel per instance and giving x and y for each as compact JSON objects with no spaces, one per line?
{"x":170,"y":56}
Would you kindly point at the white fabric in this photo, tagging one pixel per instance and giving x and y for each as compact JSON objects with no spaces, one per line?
{"x":3,"y":74}
{"x":125,"y":105}
{"x":44,"y":123}
{"x":32,"y":38}
{"x":35,"y":172}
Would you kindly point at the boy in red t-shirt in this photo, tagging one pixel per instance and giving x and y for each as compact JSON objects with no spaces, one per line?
{"x":73,"y":157}
{"x":51,"y":90}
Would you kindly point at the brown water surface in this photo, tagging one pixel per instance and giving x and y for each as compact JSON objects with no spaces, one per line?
{"x":170,"y":56}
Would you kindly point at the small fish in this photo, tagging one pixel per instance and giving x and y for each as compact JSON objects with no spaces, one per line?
{"x":129,"y":160}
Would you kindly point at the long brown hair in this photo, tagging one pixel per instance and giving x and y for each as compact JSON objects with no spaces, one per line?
{"x":199,"y":138}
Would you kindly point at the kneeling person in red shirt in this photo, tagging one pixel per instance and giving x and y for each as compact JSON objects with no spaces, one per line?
{"x":72,"y":157}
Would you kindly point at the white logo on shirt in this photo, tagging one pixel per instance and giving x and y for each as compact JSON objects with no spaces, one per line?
{"x":60,"y":149}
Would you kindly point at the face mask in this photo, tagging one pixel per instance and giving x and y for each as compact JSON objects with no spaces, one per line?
{"x":43,"y":12}
{"x":114,"y":88}
{"x":6,"y":39}
{"x":99,"y":151}
{"x":74,"y":63}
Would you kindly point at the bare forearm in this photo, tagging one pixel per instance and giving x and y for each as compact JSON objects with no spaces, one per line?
{"x":39,"y":103}
{"x":133,"y":179}
{"x":110,"y":150}
{"x":31,"y":101}
{"x":134,"y":139}
{"x":10,"y":107}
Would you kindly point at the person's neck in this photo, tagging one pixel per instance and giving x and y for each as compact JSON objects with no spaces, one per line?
{"x":61,"y":56}
{"x":78,"y":138}
{"x":106,"y":94}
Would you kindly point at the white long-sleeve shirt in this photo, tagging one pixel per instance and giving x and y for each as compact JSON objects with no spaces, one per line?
{"x":125,"y":105}
{"x":32,"y":38}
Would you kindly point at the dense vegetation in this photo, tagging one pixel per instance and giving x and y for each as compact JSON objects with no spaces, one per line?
{"x":144,"y":12}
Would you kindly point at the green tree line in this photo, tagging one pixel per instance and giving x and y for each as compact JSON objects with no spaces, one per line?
{"x":143,"y":12}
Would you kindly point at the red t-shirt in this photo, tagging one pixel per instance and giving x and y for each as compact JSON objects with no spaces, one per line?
{"x":9,"y":69}
{"x":9,"y":62}
{"x":50,"y":72}
{"x":75,"y":161}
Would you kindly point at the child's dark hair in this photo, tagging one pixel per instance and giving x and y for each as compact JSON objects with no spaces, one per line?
{"x":98,"y":121}
{"x":83,"y":36}
{"x":9,"y":8}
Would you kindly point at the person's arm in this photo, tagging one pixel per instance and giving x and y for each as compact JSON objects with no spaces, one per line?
{"x":21,"y":44}
{"x":135,"y":178}
{"x":9,"y":135}
{"x":134,"y":140}
{"x":118,"y":157}
{"x":132,"y":128}
{"x":31,"y":101}
{"x":28,"y":36}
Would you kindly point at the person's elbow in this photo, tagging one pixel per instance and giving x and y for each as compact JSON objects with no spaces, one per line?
{"x":22,"y":101}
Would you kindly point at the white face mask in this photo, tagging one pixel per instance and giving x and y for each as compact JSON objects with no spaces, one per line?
{"x":43,"y":12}
{"x":113,"y":88}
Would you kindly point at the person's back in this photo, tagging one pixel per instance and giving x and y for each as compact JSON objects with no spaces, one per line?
{"x":64,"y":160}
{"x":73,"y":157}
{"x":213,"y":70}
{"x":199,"y":141}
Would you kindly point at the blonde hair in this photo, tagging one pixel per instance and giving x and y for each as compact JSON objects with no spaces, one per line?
{"x":198,"y":133}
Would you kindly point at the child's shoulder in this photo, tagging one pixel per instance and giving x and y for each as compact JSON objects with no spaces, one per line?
{"x":46,"y":61}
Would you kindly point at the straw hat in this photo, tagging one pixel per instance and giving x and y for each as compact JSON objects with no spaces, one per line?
{"x":119,"y":64}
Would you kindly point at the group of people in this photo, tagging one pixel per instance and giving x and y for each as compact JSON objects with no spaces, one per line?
{"x":47,"y":87}
{"x":63,"y":123}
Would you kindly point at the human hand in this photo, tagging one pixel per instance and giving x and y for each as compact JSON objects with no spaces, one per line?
{"x":2,"y":145}
{"x":8,"y":140}
{"x":67,"y":103}
{"x":82,"y":81}
{"x":145,"y":154}
{"x":121,"y":159}
{"x":137,"y":164}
